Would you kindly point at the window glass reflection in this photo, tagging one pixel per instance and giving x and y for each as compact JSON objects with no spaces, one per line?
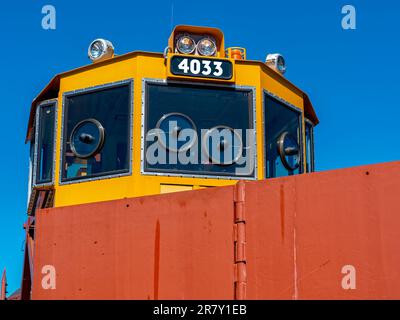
{"x":279,"y":119}
{"x":45,"y":147}
{"x":88,"y":116}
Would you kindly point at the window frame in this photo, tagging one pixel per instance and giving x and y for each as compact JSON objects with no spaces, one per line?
{"x":35,"y":182}
{"x":107,"y":175}
{"x":143,"y":171}
{"x":285,"y":104}
{"x":312,"y":155}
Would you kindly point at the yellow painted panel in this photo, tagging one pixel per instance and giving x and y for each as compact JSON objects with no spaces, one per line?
{"x":169,"y":188}
{"x":141,"y":67}
{"x":201,"y":187}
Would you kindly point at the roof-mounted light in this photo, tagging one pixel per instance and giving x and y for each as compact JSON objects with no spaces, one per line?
{"x":100,"y":50}
{"x":204,"y":45}
{"x":276,"y":62}
{"x":237,"y":53}
{"x":185,"y":44}
{"x":207,"y":47}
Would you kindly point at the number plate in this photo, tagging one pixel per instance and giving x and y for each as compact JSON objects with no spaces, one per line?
{"x":201,"y":67}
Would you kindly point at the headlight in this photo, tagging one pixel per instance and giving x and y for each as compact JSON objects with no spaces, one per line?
{"x":206,"y":47}
{"x":100,"y":49}
{"x":185,"y":44}
{"x":277,"y":62}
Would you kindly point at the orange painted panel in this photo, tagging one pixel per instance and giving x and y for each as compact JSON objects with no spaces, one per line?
{"x":328,"y":235}
{"x":269,"y":237}
{"x":173,"y":246}
{"x":350,"y":218}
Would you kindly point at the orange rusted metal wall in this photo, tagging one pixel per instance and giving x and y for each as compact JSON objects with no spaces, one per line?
{"x":286,"y":238}
{"x":301,"y":231}
{"x":173,"y":246}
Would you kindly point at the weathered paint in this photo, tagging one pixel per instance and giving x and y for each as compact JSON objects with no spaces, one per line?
{"x":300,"y":234}
{"x":166,"y":246}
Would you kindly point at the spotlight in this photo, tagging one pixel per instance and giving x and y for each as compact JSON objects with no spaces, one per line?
{"x":100,"y":50}
{"x":276,"y":62}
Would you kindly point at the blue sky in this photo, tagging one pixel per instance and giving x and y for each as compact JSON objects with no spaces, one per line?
{"x":352,"y":76}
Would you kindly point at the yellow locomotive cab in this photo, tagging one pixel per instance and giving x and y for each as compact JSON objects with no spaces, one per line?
{"x":98,"y":132}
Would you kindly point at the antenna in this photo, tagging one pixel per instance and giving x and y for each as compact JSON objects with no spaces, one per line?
{"x":172,"y":15}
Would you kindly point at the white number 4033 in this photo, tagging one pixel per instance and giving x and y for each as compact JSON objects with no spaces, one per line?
{"x":205,"y":67}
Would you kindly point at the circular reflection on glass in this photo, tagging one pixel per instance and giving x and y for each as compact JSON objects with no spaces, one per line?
{"x":96,"y":49}
{"x":185,"y":44}
{"x":288,"y":149}
{"x":206,"y":47}
{"x":172,"y":124}
{"x":87,"y":138}
{"x":222,"y":145}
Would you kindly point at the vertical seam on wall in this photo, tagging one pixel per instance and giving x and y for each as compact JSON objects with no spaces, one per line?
{"x":239,"y":231}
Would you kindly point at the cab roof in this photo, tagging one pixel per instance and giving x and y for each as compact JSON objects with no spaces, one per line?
{"x":52,"y":88}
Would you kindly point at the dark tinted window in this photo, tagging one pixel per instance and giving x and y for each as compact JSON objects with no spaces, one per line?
{"x":45,"y":143}
{"x":309,"y":146}
{"x":96,"y":138}
{"x":282,"y":122}
{"x":199,"y":108}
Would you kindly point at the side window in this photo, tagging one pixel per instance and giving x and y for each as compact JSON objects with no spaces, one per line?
{"x":44,"y":143}
{"x":97,"y":132}
{"x":283,"y":143}
{"x":309,"y":146}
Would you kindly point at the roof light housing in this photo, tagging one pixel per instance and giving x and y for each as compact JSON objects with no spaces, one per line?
{"x":277,"y":62}
{"x":100,"y":50}
{"x":197,"y":33}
